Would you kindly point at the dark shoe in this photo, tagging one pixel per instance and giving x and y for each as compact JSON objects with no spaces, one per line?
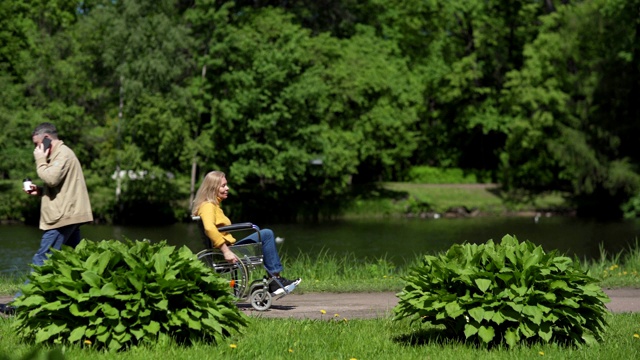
{"x":7,"y":309}
{"x":287,"y":285}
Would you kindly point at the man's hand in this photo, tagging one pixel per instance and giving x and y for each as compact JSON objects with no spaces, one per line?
{"x":40,"y":153}
{"x":33,"y":190}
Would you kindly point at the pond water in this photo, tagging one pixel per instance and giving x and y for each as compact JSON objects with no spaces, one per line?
{"x":396,"y":240}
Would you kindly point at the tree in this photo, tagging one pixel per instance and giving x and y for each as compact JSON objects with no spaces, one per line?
{"x":282,"y":101}
{"x":138,"y":51}
{"x":571,"y":108}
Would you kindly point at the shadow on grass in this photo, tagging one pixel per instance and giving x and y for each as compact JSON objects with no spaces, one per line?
{"x":424,"y":337}
{"x":376,"y":191}
{"x":428,"y":337}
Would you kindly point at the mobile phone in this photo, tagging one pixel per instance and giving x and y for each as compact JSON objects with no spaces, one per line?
{"x":46,"y":144}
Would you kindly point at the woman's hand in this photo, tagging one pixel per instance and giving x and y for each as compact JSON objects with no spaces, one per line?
{"x":228,"y":254}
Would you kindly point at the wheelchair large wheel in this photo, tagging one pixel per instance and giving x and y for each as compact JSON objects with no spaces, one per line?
{"x":260,"y":299}
{"x":236,"y":274}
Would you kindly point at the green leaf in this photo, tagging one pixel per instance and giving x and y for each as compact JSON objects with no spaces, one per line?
{"x":559,"y":284}
{"x":136,"y":282}
{"x":32,"y":300}
{"x":109,"y":311}
{"x":511,"y":337}
{"x":109,"y":289}
{"x":91,"y":278}
{"x":477,"y":314}
{"x":153,"y":327}
{"x":75,"y":310}
{"x":483,"y":284}
{"x":453,"y":309}
{"x":570,"y":303}
{"x":77,"y":334}
{"x":486,"y":333}
{"x":534,"y":313}
{"x":162,"y":304}
{"x":545,"y":332}
{"x":470,"y":329}
{"x":103,"y":261}
{"x":48,"y":332}
{"x":138,"y":333}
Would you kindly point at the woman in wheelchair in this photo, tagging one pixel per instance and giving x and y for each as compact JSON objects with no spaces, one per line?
{"x":206,"y":204}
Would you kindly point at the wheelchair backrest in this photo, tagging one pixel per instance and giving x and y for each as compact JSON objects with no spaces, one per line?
{"x":203,"y":236}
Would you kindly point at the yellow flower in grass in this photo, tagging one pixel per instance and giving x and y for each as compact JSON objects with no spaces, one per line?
{"x":290,"y":350}
{"x":323,"y":312}
{"x":87,"y":342}
{"x":541,"y":353}
{"x":336,"y":315}
{"x":233,"y":346}
{"x":636,"y":336}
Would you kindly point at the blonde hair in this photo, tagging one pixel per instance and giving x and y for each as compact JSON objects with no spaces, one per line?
{"x":208,"y":191}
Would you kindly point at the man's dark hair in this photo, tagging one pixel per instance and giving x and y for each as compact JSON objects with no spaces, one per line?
{"x":46,"y":128}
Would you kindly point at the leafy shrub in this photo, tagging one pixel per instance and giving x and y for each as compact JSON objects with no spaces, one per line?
{"x":434,"y":175}
{"x":416,"y":206}
{"x":631,"y":209}
{"x":116,"y":294}
{"x":507,"y":292}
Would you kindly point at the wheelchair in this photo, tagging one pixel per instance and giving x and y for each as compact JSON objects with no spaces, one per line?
{"x":244,"y":281}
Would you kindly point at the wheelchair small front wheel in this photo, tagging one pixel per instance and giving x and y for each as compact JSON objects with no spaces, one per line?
{"x":260,"y":300}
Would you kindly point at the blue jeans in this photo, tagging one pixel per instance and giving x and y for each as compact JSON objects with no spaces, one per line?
{"x":269,"y":251}
{"x":54,"y":239}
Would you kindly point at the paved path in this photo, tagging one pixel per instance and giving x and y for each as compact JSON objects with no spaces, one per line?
{"x":371,"y":305}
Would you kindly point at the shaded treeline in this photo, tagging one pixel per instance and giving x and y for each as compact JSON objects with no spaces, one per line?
{"x":298,"y":101}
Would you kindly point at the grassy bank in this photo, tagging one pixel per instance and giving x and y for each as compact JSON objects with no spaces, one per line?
{"x":332,"y":273}
{"x":335,"y":337}
{"x":477,"y":199}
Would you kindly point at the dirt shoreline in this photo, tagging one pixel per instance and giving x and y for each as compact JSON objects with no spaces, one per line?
{"x":341,"y":306}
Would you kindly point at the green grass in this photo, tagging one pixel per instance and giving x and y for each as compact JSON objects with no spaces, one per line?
{"x":331,"y":273}
{"x":9,"y":283}
{"x":348,"y":339}
{"x":617,"y":270}
{"x":403,"y":198}
{"x":338,"y":338}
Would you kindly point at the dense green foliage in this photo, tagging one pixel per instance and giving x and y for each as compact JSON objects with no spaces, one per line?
{"x":115,"y":295}
{"x":508,"y":292}
{"x":434,"y":175}
{"x":296,"y":101}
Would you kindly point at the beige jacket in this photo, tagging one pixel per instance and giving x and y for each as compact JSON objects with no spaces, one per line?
{"x":65,"y":199}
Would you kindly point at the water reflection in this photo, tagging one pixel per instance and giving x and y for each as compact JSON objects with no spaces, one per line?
{"x":398,"y":240}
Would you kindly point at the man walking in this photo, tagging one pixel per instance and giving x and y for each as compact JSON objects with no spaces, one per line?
{"x":64,"y":202}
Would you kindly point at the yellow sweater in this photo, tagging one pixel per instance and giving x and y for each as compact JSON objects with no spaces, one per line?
{"x":212,"y":218}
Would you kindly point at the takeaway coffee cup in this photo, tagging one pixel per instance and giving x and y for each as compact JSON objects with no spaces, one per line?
{"x":26,"y":184}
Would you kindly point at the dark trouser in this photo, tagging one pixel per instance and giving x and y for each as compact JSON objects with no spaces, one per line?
{"x":54,"y":239}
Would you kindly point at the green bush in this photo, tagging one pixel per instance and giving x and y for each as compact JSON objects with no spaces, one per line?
{"x":434,"y":175}
{"x":631,"y":209}
{"x":116,"y":294}
{"x":508,"y":292}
